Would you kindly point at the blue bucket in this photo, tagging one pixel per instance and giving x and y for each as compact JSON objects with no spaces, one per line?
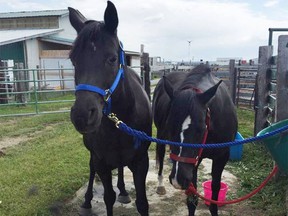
{"x":237,"y":150}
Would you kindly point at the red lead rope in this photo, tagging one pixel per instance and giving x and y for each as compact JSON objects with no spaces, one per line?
{"x":192,"y":190}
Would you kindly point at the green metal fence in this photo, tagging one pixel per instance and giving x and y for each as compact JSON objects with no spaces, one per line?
{"x":35,"y":91}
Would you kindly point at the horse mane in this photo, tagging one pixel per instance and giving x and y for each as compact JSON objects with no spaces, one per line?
{"x":185,"y":95}
{"x":195,"y":76}
{"x":202,"y":68}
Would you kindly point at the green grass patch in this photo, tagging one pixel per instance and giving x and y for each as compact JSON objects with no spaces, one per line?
{"x":47,"y":169}
{"x":255,"y":166}
{"x":46,"y":102}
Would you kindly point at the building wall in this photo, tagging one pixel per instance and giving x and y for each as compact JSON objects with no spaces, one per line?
{"x":136,"y":63}
{"x":34,"y":47}
{"x":69,"y":32}
{"x":32,"y":53}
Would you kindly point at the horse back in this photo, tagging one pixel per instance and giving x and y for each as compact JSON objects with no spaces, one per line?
{"x":161,"y":100}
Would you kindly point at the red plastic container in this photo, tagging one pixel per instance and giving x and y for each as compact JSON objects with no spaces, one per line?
{"x":208,"y":191}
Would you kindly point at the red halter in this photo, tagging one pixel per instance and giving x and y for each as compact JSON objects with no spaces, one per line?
{"x":195,"y":160}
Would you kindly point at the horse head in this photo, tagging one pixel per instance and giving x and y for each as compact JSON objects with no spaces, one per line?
{"x":95,"y":56}
{"x":187,"y":122}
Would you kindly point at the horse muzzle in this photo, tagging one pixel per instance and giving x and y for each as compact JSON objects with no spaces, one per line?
{"x":180,"y":180}
{"x":85,"y":120}
{"x":174,"y":183}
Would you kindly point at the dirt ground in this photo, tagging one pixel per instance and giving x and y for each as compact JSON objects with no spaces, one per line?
{"x":172,"y":203}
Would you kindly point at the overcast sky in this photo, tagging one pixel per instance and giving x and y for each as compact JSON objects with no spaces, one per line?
{"x":216,"y":28}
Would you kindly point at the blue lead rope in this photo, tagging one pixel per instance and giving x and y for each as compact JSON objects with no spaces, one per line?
{"x":143,"y":136}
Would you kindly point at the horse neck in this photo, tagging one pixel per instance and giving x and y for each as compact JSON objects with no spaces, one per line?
{"x":198,"y":80}
{"x":124,"y":98}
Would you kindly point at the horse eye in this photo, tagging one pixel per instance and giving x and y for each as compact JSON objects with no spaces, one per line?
{"x":112,"y":60}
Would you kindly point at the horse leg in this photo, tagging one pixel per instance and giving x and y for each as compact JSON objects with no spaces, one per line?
{"x":160,"y":154}
{"x":217,"y":169}
{"x":86,"y":206}
{"x":109,"y":193}
{"x":123,"y":196}
{"x":192,"y":200}
{"x":139,"y":171}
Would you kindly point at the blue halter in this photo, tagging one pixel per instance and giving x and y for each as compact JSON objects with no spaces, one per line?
{"x":108,"y":92}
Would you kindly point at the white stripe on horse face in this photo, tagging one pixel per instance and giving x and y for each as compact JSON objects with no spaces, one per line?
{"x":185,"y":126}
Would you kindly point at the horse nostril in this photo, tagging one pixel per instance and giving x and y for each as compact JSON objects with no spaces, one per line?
{"x":92,"y":115}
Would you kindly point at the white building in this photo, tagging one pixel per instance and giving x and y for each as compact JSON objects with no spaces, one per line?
{"x":43,"y":39}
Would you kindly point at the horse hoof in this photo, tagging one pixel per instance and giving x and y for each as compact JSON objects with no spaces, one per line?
{"x":86,"y":212}
{"x":124,"y":199}
{"x":161,"y":190}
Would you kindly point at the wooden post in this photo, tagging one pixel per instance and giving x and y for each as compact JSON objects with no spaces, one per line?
{"x":38,"y":77}
{"x":62,"y":83}
{"x":282,"y":79}
{"x":20,"y":85}
{"x":145,"y":71}
{"x":3,"y":87}
{"x":282,"y":90}
{"x":261,"y":91}
{"x":233,"y":79}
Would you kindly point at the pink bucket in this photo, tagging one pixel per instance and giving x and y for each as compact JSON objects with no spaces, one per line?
{"x":208,"y":191}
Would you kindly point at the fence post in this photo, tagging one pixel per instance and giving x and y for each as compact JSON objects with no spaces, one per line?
{"x":146,"y":73}
{"x":282,"y":90}
{"x":35,"y":82}
{"x":282,"y":79}
{"x":232,"y":78}
{"x":3,"y":87}
{"x":261,"y":88}
{"x":62,"y":83}
{"x":20,"y":84}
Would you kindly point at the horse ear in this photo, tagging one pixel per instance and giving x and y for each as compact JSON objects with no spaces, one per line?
{"x":111,"y":17}
{"x":206,"y":96}
{"x":77,"y":20}
{"x":168,"y":87}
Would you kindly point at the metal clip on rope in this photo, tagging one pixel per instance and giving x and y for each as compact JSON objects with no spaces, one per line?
{"x":114,"y":118}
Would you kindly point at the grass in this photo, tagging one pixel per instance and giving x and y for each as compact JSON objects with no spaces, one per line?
{"x":44,"y":171}
{"x":39,"y":174}
{"x":46,"y":103}
{"x":254,"y":167}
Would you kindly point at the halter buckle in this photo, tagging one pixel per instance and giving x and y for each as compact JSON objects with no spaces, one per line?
{"x":107,"y":95}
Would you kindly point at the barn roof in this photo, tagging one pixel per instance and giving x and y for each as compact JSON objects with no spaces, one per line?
{"x":59,"y":40}
{"x":12,"y":36}
{"x":34,"y":13}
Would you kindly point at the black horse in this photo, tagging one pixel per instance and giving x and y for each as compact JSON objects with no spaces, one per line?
{"x":105,"y":85}
{"x":194,"y":107}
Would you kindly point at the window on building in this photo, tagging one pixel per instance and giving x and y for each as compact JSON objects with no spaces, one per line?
{"x":29,"y":23}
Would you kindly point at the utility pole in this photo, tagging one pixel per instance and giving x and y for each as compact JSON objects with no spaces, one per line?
{"x":189,"y":47}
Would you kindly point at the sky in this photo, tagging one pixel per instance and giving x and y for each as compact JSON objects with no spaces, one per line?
{"x":216,"y":28}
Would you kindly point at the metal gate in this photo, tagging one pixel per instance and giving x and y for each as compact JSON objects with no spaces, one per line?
{"x":35,"y":91}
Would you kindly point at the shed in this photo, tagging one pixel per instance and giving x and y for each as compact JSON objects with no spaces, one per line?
{"x":43,"y":39}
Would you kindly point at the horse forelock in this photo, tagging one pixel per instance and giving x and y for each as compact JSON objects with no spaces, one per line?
{"x":181,"y":107}
{"x":91,"y":32}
